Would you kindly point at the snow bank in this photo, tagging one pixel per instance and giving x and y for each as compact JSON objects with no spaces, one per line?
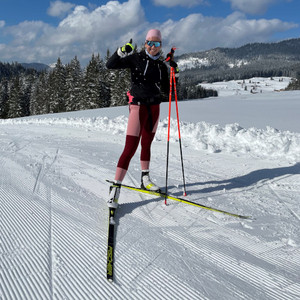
{"x":263,"y":143}
{"x":267,"y":143}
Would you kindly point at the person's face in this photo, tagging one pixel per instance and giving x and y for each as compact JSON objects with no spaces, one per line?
{"x":152,"y":49}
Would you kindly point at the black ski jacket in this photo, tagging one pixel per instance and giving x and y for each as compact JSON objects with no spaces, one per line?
{"x":149,"y":78}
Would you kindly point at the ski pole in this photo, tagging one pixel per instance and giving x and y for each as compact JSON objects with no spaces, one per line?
{"x":168,"y":139}
{"x":179,"y":135}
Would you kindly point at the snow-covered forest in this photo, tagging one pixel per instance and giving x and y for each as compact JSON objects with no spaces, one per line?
{"x":70,"y":88}
{"x":64,"y":88}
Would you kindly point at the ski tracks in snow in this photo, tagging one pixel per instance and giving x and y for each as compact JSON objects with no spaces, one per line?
{"x":44,"y":231}
{"x":43,"y":169}
{"x":54,"y":224}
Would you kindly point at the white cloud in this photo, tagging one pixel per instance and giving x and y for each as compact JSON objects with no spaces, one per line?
{"x":197,"y":32}
{"x":85,"y":31}
{"x":172,"y":3}
{"x":2,"y":23}
{"x":107,"y":26}
{"x":59,"y":8}
{"x":27,"y":32}
{"x":251,"y":7}
{"x":81,"y":33}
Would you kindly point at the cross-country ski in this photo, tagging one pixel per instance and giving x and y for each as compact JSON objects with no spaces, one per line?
{"x":110,"y":245}
{"x":171,"y":197}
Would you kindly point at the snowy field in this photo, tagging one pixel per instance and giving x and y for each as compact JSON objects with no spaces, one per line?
{"x":241,"y":154}
{"x":255,"y":85}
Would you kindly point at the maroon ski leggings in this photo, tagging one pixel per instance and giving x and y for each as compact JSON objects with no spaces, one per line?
{"x":142,"y":125}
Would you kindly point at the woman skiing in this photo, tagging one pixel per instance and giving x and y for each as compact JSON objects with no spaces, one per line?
{"x":149,"y":85}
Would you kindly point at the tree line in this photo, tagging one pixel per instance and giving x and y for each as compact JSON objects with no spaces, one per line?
{"x":263,"y":68}
{"x":63,"y":88}
{"x":69,"y":87}
{"x":295,"y":83}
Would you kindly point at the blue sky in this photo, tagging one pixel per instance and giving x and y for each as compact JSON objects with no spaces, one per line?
{"x":42,"y":31}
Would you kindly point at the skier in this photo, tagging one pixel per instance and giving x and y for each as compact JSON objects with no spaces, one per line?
{"x":149,"y":86}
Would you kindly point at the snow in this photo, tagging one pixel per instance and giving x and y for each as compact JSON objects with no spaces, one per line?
{"x":238,"y":63}
{"x":193,"y":62}
{"x":254,"y":85}
{"x":196,"y":62}
{"x":241,"y":154}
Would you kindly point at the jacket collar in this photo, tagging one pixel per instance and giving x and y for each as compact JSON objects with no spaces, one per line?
{"x":156,"y":57}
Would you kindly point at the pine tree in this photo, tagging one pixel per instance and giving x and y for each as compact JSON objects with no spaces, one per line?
{"x":4,"y":99}
{"x":114,"y":87}
{"x":27,"y":83}
{"x":73,"y":85}
{"x":109,"y":79}
{"x":104,"y":88}
{"x":39,"y":103}
{"x":92,"y":84}
{"x":57,"y":88}
{"x":14,"y":102}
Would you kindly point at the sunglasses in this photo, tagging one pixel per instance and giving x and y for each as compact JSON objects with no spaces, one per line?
{"x":151,"y":43}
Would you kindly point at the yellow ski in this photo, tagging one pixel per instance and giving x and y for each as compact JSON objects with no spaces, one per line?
{"x":164,"y":195}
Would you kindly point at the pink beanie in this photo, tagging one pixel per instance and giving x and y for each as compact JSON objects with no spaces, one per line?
{"x":153,"y":33}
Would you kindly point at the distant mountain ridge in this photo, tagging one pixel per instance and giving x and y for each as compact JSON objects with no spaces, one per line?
{"x":36,"y":66}
{"x":257,"y":59}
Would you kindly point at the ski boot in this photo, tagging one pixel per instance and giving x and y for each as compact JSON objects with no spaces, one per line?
{"x":147,"y":184}
{"x":114,"y":193}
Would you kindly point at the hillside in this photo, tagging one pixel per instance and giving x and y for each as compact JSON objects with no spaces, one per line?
{"x":8,"y":71}
{"x":36,"y":66}
{"x":251,"y":60}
